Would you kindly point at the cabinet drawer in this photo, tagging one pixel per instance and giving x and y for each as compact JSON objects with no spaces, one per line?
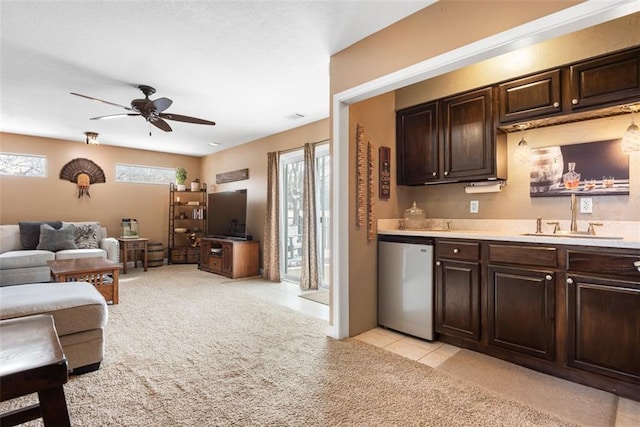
{"x":603,"y":263}
{"x":523,"y":255}
{"x":458,"y":250}
{"x":135,"y":245}
{"x":215,"y":263}
{"x":179,"y":255}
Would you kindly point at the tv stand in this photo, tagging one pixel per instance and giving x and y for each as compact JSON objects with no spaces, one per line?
{"x":229,"y":257}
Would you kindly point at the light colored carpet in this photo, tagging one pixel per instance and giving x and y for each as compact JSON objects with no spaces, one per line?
{"x":587,"y":406}
{"x":185,"y":349}
{"x":317,"y":296}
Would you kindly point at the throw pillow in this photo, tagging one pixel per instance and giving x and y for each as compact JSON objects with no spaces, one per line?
{"x":56,"y":240}
{"x":30,"y":232}
{"x":86,"y":236}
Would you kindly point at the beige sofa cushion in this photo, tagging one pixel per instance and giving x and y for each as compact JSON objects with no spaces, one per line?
{"x":10,"y":238}
{"x":25,"y":258}
{"x":75,"y":306}
{"x":80,"y":253}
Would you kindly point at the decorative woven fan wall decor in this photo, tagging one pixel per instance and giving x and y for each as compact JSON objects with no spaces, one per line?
{"x":83,"y":172}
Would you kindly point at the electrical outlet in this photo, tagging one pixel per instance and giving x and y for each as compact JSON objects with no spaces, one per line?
{"x":473,"y":206}
{"x":586,"y":205}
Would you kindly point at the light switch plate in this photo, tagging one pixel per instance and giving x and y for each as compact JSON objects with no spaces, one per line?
{"x":586,"y":205}
{"x":473,"y":206}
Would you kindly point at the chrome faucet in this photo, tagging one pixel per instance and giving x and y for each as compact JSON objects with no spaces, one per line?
{"x":574,"y":223}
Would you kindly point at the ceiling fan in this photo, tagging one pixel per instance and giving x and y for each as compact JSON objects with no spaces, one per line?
{"x":151,"y":110}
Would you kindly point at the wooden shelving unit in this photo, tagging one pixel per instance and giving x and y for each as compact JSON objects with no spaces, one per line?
{"x":187,"y":224}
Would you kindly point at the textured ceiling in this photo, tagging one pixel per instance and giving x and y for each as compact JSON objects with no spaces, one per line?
{"x":247,"y":65}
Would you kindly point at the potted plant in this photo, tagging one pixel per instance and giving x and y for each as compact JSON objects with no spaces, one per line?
{"x":181,"y":177}
{"x":195,"y":185}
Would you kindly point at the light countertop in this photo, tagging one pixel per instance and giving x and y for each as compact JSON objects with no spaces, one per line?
{"x":612,"y":234}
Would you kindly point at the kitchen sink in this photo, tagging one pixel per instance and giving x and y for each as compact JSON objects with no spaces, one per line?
{"x":572,"y":234}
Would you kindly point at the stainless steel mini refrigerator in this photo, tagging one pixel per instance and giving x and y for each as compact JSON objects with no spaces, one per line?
{"x":405,"y":287}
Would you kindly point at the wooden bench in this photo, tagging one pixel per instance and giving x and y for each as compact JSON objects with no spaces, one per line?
{"x":33,"y":362}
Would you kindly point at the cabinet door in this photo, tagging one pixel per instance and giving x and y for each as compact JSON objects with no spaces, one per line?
{"x":602,"y":81}
{"x":417,"y":144}
{"x":604,"y":326}
{"x":530,"y":97}
{"x":227,"y":258}
{"x":521,"y":310}
{"x":458,"y":298}
{"x":469,"y":146}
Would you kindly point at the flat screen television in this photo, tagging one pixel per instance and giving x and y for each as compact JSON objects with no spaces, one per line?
{"x":227,"y":214}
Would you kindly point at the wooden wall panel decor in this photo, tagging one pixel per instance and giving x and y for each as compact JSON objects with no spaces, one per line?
{"x":232,"y":176}
{"x":361,"y":173}
{"x":371,"y":191}
{"x":385,"y":173}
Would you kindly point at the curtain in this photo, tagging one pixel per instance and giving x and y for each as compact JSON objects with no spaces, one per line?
{"x":309,"y":273}
{"x":271,"y":249}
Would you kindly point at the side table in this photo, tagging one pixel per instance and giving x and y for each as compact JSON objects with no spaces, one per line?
{"x":33,"y":362}
{"x":139,"y":244}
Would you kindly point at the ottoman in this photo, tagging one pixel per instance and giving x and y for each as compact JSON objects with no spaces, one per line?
{"x":79,"y":312}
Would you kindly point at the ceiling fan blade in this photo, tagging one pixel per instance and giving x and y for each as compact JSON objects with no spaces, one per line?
{"x":159,"y":105}
{"x":161,"y":124}
{"x":115,"y":116}
{"x":187,"y":119}
{"x":103,"y":101}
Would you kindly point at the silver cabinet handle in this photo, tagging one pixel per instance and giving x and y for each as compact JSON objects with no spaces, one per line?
{"x":556,"y":104}
{"x":574,"y":101}
{"x":438,"y":263}
{"x":456,"y":250}
{"x":569,"y":281}
{"x":434,"y":173}
{"x":446,"y":173}
{"x":549,"y":277}
{"x":637,"y":264}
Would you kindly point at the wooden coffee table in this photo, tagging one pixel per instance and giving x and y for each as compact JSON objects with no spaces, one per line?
{"x":92,"y":270}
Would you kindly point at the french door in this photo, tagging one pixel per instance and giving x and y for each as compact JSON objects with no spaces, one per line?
{"x":291,"y":188}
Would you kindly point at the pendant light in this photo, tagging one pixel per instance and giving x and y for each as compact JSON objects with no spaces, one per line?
{"x":631,"y":138}
{"x":92,"y":138}
{"x":523,"y":152}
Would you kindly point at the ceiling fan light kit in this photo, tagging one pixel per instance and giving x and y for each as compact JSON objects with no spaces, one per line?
{"x":151,"y":110}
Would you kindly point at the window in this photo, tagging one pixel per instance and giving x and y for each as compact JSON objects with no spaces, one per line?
{"x":145,"y":174}
{"x":23,"y":165}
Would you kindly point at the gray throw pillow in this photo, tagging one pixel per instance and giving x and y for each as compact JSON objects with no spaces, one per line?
{"x":30,"y":232}
{"x":56,"y":240}
{"x":86,"y":236}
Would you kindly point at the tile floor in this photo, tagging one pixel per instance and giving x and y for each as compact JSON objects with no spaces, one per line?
{"x":432,"y":354}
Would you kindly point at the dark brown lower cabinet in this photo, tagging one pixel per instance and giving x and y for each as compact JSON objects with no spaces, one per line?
{"x":521,"y":311}
{"x":231,"y":258}
{"x":458,"y":298}
{"x":569,"y":311}
{"x":604,"y":327}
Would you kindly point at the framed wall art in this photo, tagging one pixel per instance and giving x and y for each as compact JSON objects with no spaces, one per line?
{"x":384,"y":184}
{"x":593,"y":168}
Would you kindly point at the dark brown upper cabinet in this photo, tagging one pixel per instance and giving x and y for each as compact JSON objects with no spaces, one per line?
{"x":469,"y":143}
{"x":450,"y":140}
{"x":596,"y":87}
{"x":530,"y":97}
{"x":417,"y":144}
{"x":606,"y":80}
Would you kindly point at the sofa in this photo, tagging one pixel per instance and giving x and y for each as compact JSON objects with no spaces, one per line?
{"x":26,"y":247}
